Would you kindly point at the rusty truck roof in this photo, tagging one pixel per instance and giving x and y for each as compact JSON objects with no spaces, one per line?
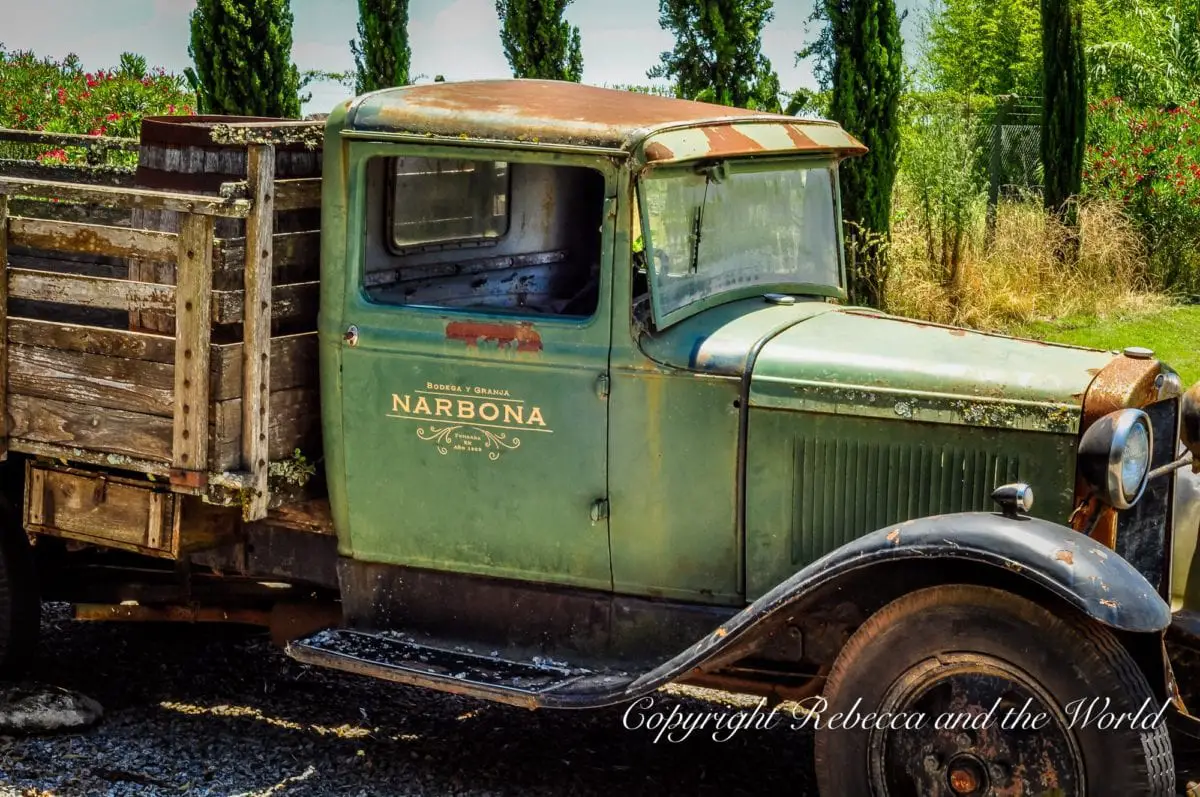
{"x":560,"y":114}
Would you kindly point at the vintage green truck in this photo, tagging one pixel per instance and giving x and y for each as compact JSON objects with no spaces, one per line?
{"x":549,"y":395}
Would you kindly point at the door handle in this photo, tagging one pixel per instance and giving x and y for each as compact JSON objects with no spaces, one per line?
{"x":351,"y":336}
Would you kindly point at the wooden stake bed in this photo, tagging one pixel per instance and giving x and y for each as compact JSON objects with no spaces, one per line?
{"x":186,"y":352}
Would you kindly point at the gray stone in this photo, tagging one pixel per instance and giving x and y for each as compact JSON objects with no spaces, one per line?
{"x":44,"y":709}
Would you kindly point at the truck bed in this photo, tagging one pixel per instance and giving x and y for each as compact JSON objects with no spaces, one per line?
{"x":171,"y":353}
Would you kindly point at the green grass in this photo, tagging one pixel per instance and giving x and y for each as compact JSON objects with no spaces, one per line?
{"x":1173,"y":333}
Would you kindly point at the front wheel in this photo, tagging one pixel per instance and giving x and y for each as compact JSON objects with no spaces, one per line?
{"x":1001,"y":676}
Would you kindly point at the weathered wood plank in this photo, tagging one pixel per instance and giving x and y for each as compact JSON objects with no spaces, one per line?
{"x":68,"y":139}
{"x":295,"y":422}
{"x":289,"y":250}
{"x":78,"y":455}
{"x":125,"y":514}
{"x":256,"y":330}
{"x":126,"y":197}
{"x":91,"y":340}
{"x":285,"y":132}
{"x":4,"y":233}
{"x":193,"y":296}
{"x":293,"y":364}
{"x":70,"y":211}
{"x":112,"y":382}
{"x":297,"y":300}
{"x":113,"y":294}
{"x":299,"y":193}
{"x":83,"y":426}
{"x":92,"y":239}
{"x":74,"y":174}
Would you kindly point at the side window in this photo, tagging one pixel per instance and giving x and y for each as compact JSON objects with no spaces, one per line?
{"x":519,"y":238}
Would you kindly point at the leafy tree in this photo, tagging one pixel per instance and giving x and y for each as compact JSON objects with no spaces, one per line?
{"x":1064,"y":105}
{"x":538,"y":41}
{"x":1148,"y":52}
{"x":867,"y":76}
{"x":242,"y":50}
{"x":381,"y":53}
{"x":718,"y":52}
{"x":989,"y":47}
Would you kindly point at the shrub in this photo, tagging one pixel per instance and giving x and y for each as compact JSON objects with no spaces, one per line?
{"x":60,"y":97}
{"x":1020,"y":278}
{"x":1148,"y":161}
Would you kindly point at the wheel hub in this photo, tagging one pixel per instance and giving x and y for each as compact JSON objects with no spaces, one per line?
{"x":987,"y":727}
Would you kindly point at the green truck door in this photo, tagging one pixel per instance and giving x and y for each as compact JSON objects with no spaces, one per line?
{"x":477,"y":443}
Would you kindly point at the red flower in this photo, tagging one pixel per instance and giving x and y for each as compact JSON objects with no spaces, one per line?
{"x":112,"y":117}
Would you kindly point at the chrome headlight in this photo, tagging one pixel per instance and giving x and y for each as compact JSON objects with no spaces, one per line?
{"x":1114,"y":456}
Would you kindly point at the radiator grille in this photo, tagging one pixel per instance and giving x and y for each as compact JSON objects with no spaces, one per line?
{"x":847,"y":488}
{"x":1142,"y":530}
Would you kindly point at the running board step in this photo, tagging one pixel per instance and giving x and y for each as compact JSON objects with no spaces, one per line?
{"x":533,"y":684}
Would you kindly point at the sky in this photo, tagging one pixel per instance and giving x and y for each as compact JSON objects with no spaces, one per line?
{"x":455,"y":38}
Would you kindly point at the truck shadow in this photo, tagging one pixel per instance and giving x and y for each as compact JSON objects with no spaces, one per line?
{"x":211,"y":710}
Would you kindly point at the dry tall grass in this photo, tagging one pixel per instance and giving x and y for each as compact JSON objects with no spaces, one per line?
{"x":1020,"y":278}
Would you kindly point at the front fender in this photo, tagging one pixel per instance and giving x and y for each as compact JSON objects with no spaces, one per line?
{"x":1087,"y":575}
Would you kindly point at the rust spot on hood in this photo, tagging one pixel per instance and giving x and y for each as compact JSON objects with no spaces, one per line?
{"x":1065,"y":556}
{"x":522,"y":335}
{"x":958,"y":333}
{"x":894,"y":537}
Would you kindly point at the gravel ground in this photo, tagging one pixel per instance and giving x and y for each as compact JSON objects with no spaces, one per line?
{"x":210,"y":710}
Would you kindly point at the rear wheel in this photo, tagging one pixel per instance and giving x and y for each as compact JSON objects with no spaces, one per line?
{"x":20,"y":602}
{"x":962,"y":651}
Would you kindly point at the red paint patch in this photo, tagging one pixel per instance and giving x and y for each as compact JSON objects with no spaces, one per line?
{"x":725,"y":140}
{"x":798,"y":138}
{"x":657,"y":151}
{"x":522,"y":335}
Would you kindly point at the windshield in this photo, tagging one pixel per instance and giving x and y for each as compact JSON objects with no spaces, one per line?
{"x":738,"y":227}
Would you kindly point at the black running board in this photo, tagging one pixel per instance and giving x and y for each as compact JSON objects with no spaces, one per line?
{"x":538,"y":683}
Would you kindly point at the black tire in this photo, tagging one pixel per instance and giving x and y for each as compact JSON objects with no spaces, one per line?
{"x":965,"y":647}
{"x":20,"y":601}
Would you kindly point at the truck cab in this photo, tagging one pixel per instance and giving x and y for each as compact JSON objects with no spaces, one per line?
{"x":596,"y":416}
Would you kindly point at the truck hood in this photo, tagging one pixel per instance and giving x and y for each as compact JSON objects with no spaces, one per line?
{"x":822,"y":358}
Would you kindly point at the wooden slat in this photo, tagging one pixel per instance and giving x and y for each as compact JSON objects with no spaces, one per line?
{"x":192,"y":335}
{"x":91,"y":340}
{"x":256,"y":342}
{"x":298,"y":194}
{"x":4,"y":228}
{"x":70,"y":211}
{"x":78,"y":455}
{"x":112,"y":382}
{"x":95,"y":239}
{"x":288,"y":250}
{"x":293,"y":364}
{"x":113,"y":294}
{"x":90,"y":428}
{"x":126,"y":197}
{"x":69,"y":173}
{"x":295,"y":421}
{"x":68,"y":139}
{"x":297,"y":300}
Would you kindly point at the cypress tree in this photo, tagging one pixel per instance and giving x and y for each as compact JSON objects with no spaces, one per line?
{"x":242,"y":50}
{"x":1064,"y":107}
{"x":867,"y":77}
{"x":718,"y":52}
{"x":381,"y":54}
{"x":538,"y":41}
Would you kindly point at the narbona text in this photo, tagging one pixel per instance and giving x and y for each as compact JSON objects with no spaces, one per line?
{"x":676,"y":725}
